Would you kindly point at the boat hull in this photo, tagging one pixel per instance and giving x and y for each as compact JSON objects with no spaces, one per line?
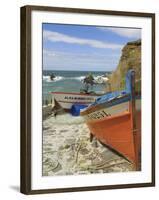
{"x":66,"y":100}
{"x":113,"y":126}
{"x":115,"y":119}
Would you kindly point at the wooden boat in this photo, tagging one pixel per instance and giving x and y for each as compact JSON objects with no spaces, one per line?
{"x":115,"y":120}
{"x":66,"y":99}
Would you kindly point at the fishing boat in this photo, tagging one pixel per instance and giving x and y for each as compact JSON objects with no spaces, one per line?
{"x":66,"y":99}
{"x":85,"y":97}
{"x":115,"y":120}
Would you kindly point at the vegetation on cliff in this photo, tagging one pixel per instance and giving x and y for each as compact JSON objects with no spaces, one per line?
{"x":130,"y":59}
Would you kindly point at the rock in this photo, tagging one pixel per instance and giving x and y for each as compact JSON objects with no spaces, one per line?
{"x":130,"y":59}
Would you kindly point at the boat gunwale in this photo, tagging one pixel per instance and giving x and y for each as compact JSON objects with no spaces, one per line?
{"x":76,"y":93}
{"x":74,"y":102}
{"x":108,"y":104}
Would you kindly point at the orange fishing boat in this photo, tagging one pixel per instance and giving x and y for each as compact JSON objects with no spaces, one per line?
{"x":115,"y":120}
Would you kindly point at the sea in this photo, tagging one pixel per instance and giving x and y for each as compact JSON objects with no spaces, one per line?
{"x":68,"y":81}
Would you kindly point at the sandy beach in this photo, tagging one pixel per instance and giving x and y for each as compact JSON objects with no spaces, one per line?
{"x":67,"y":149}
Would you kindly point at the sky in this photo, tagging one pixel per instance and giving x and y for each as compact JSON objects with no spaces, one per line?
{"x":84,"y":48}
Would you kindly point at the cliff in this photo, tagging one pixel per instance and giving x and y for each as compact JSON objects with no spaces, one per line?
{"x":130,"y":59}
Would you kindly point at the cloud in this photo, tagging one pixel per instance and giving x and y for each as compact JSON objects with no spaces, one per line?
{"x":48,"y":53}
{"x":59,"y":37}
{"x":79,"y":61}
{"x":124,"y":32}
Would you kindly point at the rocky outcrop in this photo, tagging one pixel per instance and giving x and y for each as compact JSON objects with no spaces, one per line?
{"x":130,"y":59}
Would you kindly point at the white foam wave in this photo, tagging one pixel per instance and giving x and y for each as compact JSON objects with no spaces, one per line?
{"x":46,"y":77}
{"x":79,"y":78}
{"x":97,"y":79}
{"x":100,"y":79}
{"x":57,"y":78}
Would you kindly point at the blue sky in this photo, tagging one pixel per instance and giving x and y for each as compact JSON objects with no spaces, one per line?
{"x":84,"y":48}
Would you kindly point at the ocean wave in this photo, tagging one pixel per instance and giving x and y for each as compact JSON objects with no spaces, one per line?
{"x":100,"y":79}
{"x":79,"y":78}
{"x":97,"y":79}
{"x":57,"y":78}
{"x":46,"y":77}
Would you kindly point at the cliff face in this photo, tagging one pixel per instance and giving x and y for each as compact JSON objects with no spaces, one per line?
{"x":130,"y":59}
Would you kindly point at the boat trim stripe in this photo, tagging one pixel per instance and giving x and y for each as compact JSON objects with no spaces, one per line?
{"x":75,"y":102}
{"x":74,"y":93}
{"x":107,"y":104}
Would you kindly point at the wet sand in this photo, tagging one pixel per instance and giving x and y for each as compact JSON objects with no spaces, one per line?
{"x":67,"y":149}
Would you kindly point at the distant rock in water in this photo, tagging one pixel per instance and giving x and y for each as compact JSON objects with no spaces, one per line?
{"x":52,"y":77}
{"x":130,"y":59}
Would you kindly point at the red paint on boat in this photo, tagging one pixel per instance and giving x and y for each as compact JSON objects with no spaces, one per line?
{"x":117,"y":132}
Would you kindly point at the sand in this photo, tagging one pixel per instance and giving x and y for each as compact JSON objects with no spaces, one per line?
{"x":67,"y":149}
